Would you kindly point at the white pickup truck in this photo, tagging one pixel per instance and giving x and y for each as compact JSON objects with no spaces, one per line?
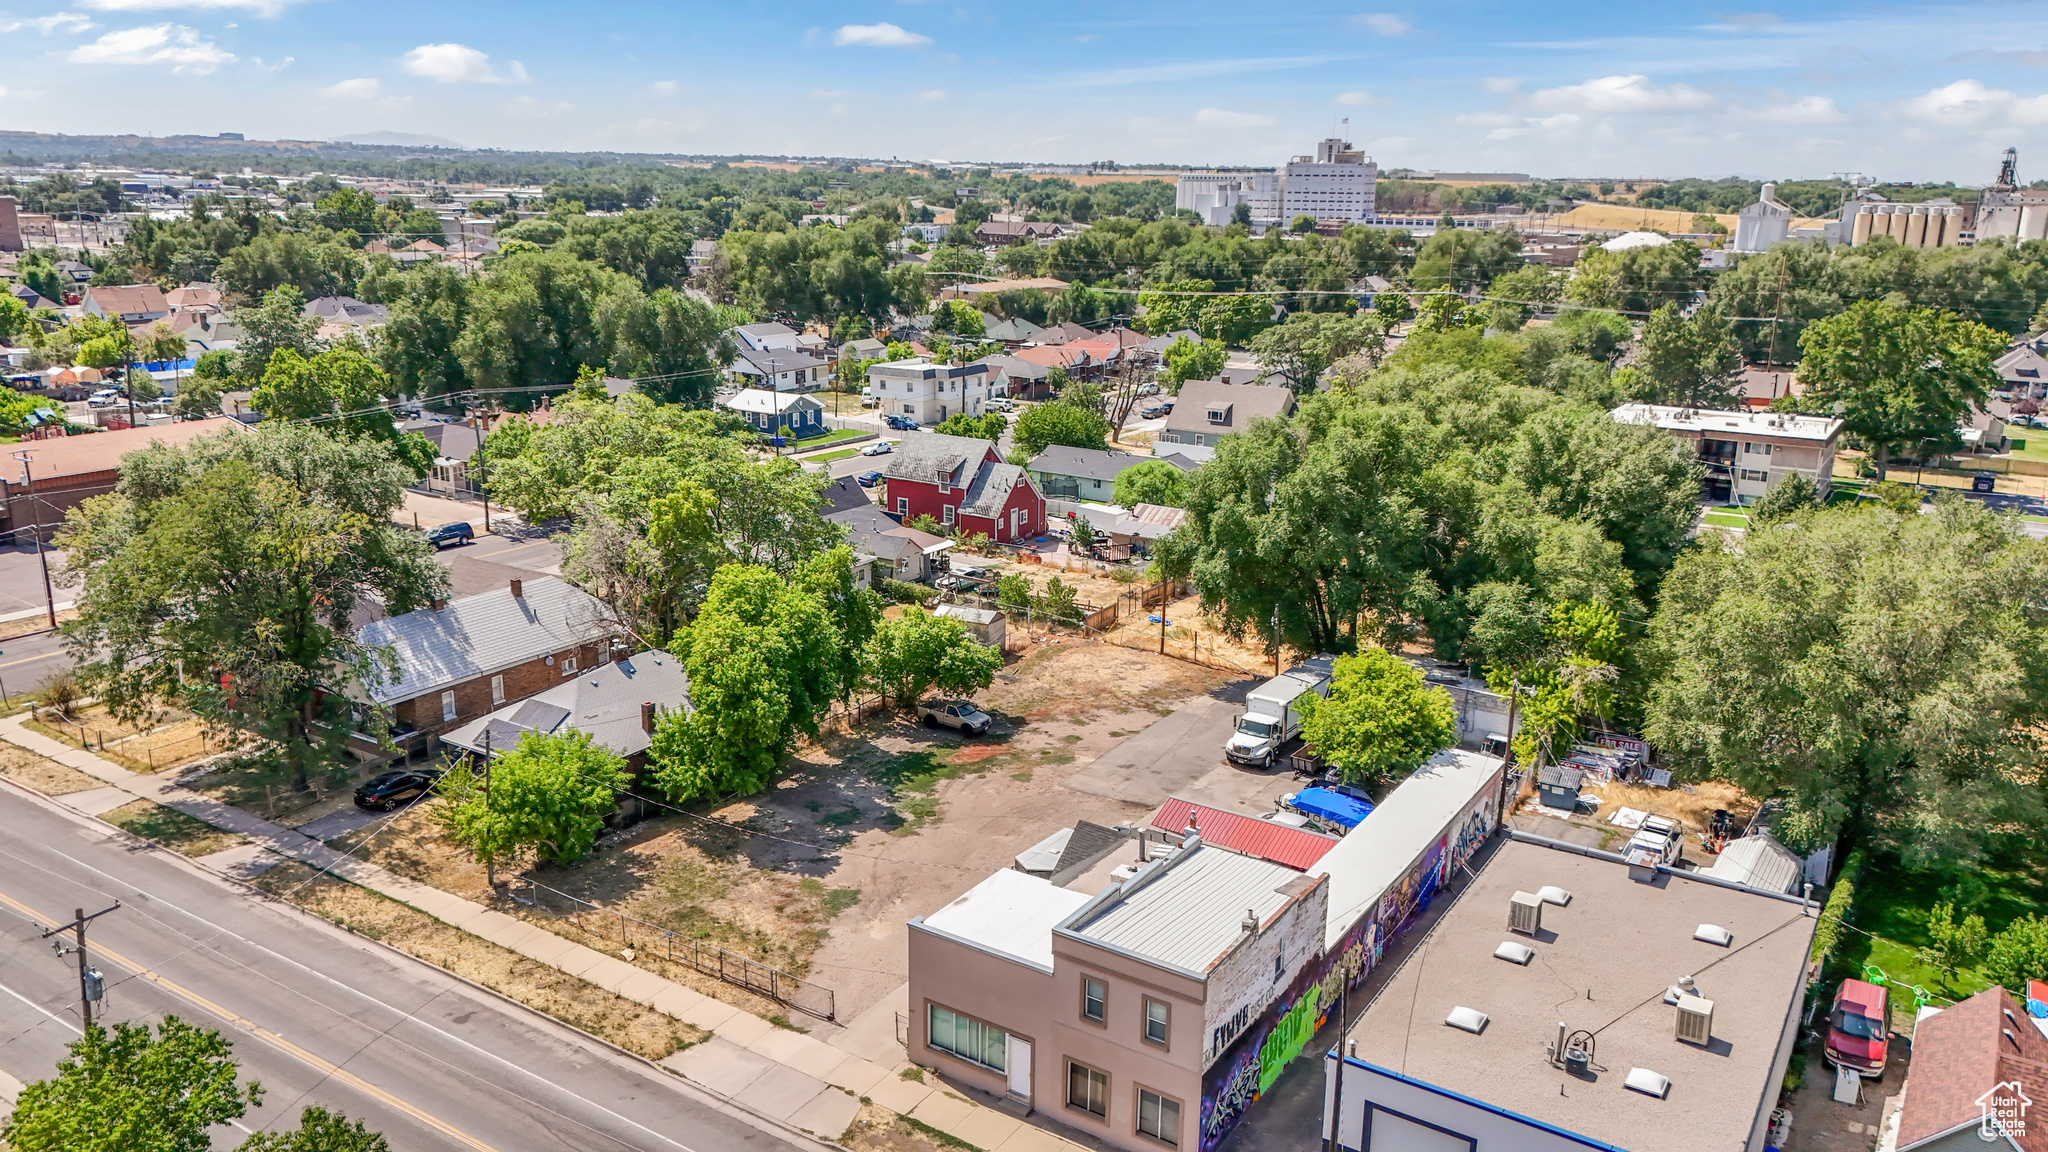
{"x":1272,"y":712}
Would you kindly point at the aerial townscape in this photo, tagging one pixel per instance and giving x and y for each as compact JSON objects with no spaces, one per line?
{"x":1514,"y":624}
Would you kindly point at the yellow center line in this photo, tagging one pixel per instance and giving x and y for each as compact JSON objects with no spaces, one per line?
{"x":26,"y":659}
{"x":326,"y":1067}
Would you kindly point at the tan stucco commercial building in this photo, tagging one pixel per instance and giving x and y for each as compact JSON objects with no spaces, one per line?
{"x":1151,"y":1008}
{"x":1745,"y":453}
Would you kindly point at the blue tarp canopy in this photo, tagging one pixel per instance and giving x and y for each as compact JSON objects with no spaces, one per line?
{"x":1335,"y":807}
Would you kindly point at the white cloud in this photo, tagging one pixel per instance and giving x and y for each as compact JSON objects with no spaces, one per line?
{"x":61,"y":22}
{"x":1805,"y":110}
{"x":172,"y":44}
{"x":838,"y":109}
{"x":1501,"y":84}
{"x":933,"y":95}
{"x":259,"y":7}
{"x":826,"y":93}
{"x":362,"y":88}
{"x":663,"y":88}
{"x":1621,"y":94}
{"x":459,"y":63}
{"x":1384,"y":23}
{"x":1220,"y":120}
{"x":1358,"y":100}
{"x":1968,"y":102}
{"x":877,"y":36}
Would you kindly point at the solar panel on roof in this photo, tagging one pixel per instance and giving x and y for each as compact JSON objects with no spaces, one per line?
{"x":539,"y":715}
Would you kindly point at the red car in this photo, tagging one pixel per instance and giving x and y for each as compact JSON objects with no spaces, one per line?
{"x":1858,"y":1027}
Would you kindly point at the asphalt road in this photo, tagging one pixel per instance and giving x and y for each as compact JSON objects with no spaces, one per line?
{"x":316,"y":1014}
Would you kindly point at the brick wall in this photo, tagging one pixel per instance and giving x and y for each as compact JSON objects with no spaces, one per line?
{"x":473,"y":697}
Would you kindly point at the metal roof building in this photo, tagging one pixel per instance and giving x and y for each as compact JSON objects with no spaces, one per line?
{"x":478,"y":635}
{"x":1190,"y":913}
{"x":1295,"y":848}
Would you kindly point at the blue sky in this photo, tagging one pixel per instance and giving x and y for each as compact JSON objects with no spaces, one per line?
{"x":1568,"y":88}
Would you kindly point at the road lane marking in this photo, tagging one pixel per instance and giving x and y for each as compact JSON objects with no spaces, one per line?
{"x":75,"y":1029}
{"x":26,"y":659}
{"x":326,"y":1067}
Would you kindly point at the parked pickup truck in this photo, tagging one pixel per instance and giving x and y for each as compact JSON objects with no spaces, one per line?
{"x":1272,"y":712}
{"x":961,"y":714}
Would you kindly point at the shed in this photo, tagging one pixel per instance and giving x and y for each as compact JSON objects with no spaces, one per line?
{"x":986,"y":624}
{"x":1558,"y":787}
{"x":1759,"y":861}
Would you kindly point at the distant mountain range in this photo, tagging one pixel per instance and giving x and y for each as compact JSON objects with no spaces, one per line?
{"x":398,"y":140}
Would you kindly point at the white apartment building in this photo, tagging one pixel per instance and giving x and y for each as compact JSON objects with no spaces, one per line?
{"x":928,"y":392}
{"x":1339,"y":182}
{"x":1745,"y":453}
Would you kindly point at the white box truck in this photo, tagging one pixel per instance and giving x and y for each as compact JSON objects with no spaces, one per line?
{"x":1272,"y":712}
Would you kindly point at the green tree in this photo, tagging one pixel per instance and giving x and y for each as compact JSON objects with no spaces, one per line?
{"x":319,"y":1131}
{"x":673,"y":343}
{"x":314,"y":264}
{"x":198,"y":397}
{"x":1955,"y":944}
{"x":1381,"y":720}
{"x":764,"y":664}
{"x":1302,"y":225}
{"x":1691,"y":363}
{"x":987,"y":426}
{"x":349,"y":210}
{"x":855,"y":612}
{"x":1043,"y":425}
{"x":1787,"y":498}
{"x":2018,"y":953}
{"x":1637,"y":279}
{"x":1233,"y":319}
{"x":1309,"y":342}
{"x":549,"y":795}
{"x":129,"y":1089}
{"x":1459,"y":259}
{"x":1014,"y":592}
{"x":1514,"y":296}
{"x":279,"y":324}
{"x":341,"y":392}
{"x":225,"y":575}
{"x":1882,"y":666}
{"x":1153,"y":482}
{"x":919,"y":652}
{"x":1186,"y":360}
{"x":1173,"y":306}
{"x":14,"y":317}
{"x":1904,"y":377}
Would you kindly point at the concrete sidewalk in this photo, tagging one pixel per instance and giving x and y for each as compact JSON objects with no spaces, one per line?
{"x":775,"y":1072}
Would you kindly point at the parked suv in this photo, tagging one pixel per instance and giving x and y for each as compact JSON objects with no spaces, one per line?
{"x":448,"y":535}
{"x":395,"y":789}
{"x":1859,"y":1027}
{"x":960,"y":714}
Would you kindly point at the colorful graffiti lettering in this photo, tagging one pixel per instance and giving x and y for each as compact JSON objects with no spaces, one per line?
{"x":1262,"y":1051}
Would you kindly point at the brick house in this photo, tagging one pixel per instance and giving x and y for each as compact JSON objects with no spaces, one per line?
{"x":959,"y":480}
{"x":469,"y":656}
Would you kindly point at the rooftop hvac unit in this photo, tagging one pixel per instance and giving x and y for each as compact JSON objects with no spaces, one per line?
{"x":1695,"y":1020}
{"x":1525,"y":913}
{"x":1647,"y":1082}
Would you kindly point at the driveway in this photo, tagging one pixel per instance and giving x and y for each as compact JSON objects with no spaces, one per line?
{"x":1171,"y":755}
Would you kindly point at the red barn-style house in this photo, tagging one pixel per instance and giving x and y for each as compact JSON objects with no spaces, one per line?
{"x":960,"y":480}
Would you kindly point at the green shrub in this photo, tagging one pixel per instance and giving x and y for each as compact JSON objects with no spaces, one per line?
{"x":1828,"y":933}
{"x":903,"y":592}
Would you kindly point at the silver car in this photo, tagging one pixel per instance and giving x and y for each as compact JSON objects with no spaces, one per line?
{"x":960,"y":714}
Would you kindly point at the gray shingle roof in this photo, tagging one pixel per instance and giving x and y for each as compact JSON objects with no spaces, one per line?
{"x":779,"y":360}
{"x":1089,"y":463}
{"x":991,"y":489}
{"x":603,"y":701}
{"x":488,"y":632}
{"x":871,"y":530}
{"x":925,"y":456}
{"x":1246,"y":403}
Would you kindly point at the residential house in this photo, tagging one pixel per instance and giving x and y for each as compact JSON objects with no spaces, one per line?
{"x":899,"y":553}
{"x":455,"y":445}
{"x":1011,"y":376}
{"x":1685,"y":993}
{"x":66,"y":470}
{"x":461,"y":659}
{"x":205,"y":332}
{"x":1986,"y":1047}
{"x":974,"y":289}
{"x":30,"y":300}
{"x":2024,"y":369}
{"x":75,"y":272}
{"x":1158,"y":345}
{"x":1367,"y":288}
{"x":1760,"y":384}
{"x":780,"y":370}
{"x":1145,"y":1002}
{"x":617,"y":704}
{"x":1984,"y":429}
{"x":844,"y":495}
{"x":928,"y":392}
{"x":1068,"y":330}
{"x":863,"y":349}
{"x":1013,"y":332}
{"x":1745,"y":453}
{"x":1007,"y":232}
{"x":700,"y":254}
{"x":926,"y":233}
{"x":195,"y":295}
{"x":959,"y":480}
{"x":1075,"y":362}
{"x":1206,"y":411}
{"x":768,"y":337}
{"x":420,"y":251}
{"x":127,"y":303}
{"x":347,"y":311}
{"x":768,"y":412}
{"x":1082,"y":473}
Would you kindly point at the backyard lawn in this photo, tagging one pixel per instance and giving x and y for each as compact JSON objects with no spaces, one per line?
{"x":828,"y":457}
{"x":832,"y":437}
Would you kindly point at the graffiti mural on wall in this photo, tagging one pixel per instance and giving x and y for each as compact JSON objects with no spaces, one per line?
{"x":1250,"y":1066}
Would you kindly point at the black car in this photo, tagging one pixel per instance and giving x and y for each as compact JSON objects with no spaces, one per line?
{"x":450,"y":534}
{"x":396,"y":789}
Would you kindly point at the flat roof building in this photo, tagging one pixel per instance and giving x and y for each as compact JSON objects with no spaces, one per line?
{"x":1745,"y":453}
{"x":1456,"y":1048}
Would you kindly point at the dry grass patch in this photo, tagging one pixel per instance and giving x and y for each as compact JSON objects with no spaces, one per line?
{"x":876,"y":1129}
{"x":1694,"y":809}
{"x":29,"y":626}
{"x":185,"y":835}
{"x":163,"y":740}
{"x":638,"y":1029}
{"x":42,"y":773}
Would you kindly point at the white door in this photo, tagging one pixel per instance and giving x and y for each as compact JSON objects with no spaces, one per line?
{"x":1017,"y":1055}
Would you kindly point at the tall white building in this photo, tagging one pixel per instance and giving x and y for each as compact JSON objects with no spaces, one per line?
{"x":1763,"y":223}
{"x":1338,"y":183}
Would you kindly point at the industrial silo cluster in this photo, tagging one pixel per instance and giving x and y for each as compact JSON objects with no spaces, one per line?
{"x":1922,"y":225}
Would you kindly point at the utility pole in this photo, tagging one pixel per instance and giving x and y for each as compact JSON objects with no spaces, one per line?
{"x":28,"y":489}
{"x":490,"y":862}
{"x":479,"y":418}
{"x":1777,"y":309}
{"x":91,"y":985}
